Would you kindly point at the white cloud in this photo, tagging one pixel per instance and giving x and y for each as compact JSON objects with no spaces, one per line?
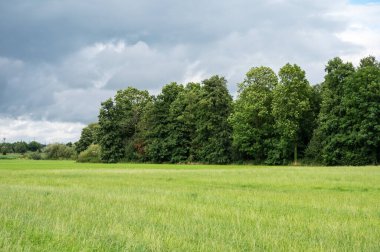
{"x":24,"y":129}
{"x":362,"y":29}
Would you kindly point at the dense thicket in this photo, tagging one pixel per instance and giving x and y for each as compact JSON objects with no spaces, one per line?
{"x":276,"y":119}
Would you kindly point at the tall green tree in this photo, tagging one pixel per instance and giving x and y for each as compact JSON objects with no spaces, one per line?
{"x":182,"y":115}
{"x":364,"y":112}
{"x":291,"y":107}
{"x":110,"y":140}
{"x":131,"y":104}
{"x":356,"y":139}
{"x":158,"y":124}
{"x":118,"y":120}
{"x":330,"y":135}
{"x":213,"y":138}
{"x":252,"y":119}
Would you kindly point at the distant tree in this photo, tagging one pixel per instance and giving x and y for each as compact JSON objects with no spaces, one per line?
{"x":213,"y":138}
{"x":20,"y":147}
{"x":291,"y":109}
{"x":34,"y":146}
{"x":3,"y":149}
{"x":252,"y":119}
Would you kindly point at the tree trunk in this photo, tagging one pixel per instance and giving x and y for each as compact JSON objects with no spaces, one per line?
{"x":295,"y":154}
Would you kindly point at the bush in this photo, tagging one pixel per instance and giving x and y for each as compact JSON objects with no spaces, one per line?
{"x":34,"y":155}
{"x":90,"y":155}
{"x":59,"y":151}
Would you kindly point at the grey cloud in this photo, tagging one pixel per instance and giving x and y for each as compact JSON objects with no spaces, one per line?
{"x":51,"y":29}
{"x":60,"y":59}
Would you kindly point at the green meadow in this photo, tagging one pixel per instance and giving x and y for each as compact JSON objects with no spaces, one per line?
{"x":66,"y":206}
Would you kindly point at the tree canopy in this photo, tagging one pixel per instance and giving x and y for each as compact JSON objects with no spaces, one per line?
{"x":275,"y":119}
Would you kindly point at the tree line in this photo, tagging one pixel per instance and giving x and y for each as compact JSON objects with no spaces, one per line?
{"x":275,"y":119}
{"x":20,"y":147}
{"x":37,"y":151}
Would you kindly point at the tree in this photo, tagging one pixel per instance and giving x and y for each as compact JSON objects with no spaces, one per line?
{"x":330,"y":134}
{"x":291,"y":107}
{"x":158,"y":123}
{"x":20,"y":147}
{"x":182,"y":116}
{"x":213,"y":133}
{"x":358,"y":131}
{"x":118,"y":121}
{"x":364,"y":112}
{"x":89,"y":135}
{"x":252,"y":119}
{"x":110,"y":140}
{"x":34,"y":146}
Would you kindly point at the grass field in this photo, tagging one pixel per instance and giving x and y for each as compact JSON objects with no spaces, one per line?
{"x":65,"y":206}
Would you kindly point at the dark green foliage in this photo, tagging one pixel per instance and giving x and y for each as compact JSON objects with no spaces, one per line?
{"x":213,"y":141}
{"x":35,"y":146}
{"x":271,"y":122}
{"x":182,"y":116}
{"x":252,"y":119}
{"x":365,"y":111}
{"x":4,"y":150}
{"x":158,"y":121}
{"x":118,"y":121}
{"x":348,"y":124}
{"x":331,"y":129}
{"x":110,"y":140}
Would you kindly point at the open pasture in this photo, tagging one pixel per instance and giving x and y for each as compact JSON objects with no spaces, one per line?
{"x":66,"y":206}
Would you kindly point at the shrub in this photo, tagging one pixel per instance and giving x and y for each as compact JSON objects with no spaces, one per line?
{"x":90,"y":155}
{"x":34,"y":155}
{"x":59,"y":151}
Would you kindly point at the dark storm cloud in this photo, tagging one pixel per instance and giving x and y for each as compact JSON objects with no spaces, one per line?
{"x":50,"y":29}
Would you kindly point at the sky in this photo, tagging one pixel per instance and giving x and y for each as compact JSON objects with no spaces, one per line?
{"x":60,"y":59}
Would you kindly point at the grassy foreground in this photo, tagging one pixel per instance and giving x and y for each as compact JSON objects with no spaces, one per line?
{"x":65,"y":206}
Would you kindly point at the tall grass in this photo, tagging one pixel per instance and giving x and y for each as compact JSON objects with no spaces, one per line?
{"x":66,"y":206}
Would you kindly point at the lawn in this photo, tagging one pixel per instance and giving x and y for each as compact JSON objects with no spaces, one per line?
{"x":65,"y":206}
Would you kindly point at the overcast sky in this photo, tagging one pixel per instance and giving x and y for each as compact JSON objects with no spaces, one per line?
{"x":60,"y":59}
